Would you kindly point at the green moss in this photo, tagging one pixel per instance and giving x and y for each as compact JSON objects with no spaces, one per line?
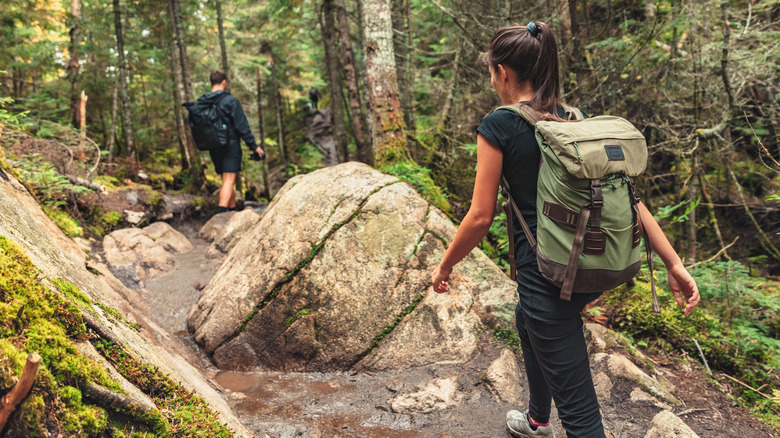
{"x":420,"y":179}
{"x":48,"y":321}
{"x":291,"y":320}
{"x":153,"y":197}
{"x":64,"y":221}
{"x":386,"y":331}
{"x":112,"y":218}
{"x":117,"y":316}
{"x":189,"y":415}
{"x":108,"y":181}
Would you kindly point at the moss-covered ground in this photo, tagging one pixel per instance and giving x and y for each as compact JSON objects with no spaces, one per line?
{"x":37,"y":318}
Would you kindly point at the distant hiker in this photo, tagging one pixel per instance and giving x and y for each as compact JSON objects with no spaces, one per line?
{"x":523,"y":64}
{"x":218,"y":124}
{"x":314,"y":97}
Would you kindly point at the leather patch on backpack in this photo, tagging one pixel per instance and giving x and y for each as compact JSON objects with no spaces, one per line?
{"x":595,"y":243}
{"x":614,"y":152}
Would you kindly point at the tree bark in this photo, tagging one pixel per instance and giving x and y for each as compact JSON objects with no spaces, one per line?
{"x":73,"y":69}
{"x":185,"y":147}
{"x":693,"y":192}
{"x":127,"y":115}
{"x":445,"y":113}
{"x":277,"y":98}
{"x":222,"y":45}
{"x":401,"y":54}
{"x":356,"y":114}
{"x":261,"y":126}
{"x":112,"y":135}
{"x":182,"y":46}
{"x":409,"y":111}
{"x":386,"y":119}
{"x":328,"y":27}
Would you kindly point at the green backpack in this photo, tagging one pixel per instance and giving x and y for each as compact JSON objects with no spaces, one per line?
{"x":588,"y":222}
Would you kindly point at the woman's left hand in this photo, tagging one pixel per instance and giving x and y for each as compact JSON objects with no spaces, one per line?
{"x":439,"y":278}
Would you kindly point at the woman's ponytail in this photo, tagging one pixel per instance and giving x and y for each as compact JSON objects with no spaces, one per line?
{"x":532,"y":53}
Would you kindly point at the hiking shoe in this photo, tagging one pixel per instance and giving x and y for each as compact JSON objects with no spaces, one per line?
{"x":518,"y":425}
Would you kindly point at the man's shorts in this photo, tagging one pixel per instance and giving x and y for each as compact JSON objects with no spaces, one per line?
{"x":227,"y":159}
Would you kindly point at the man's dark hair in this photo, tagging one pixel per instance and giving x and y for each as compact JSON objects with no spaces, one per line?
{"x":217,"y":77}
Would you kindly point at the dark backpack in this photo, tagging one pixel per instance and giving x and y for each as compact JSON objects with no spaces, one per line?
{"x":208,"y":129}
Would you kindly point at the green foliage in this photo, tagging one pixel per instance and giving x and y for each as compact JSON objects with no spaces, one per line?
{"x":737,"y":324}
{"x":670,"y":211}
{"x":508,"y":336}
{"x":496,"y":243}
{"x":420,"y":178}
{"x":303,"y":312}
{"x":53,"y":187}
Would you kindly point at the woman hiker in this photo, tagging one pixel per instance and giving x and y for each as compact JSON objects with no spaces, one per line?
{"x":523,"y":64}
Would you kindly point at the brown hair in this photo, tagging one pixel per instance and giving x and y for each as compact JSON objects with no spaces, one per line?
{"x":217,"y":77}
{"x":533,"y":57}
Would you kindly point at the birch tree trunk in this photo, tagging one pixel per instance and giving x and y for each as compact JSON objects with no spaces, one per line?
{"x":330,"y":42}
{"x":356,"y":107}
{"x":385,"y":118}
{"x":122,"y":72}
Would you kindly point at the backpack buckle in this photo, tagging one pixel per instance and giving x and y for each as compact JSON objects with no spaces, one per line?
{"x":596,"y":198}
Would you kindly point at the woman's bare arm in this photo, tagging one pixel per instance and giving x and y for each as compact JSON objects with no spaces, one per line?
{"x":679,"y":278}
{"x":477,"y":221}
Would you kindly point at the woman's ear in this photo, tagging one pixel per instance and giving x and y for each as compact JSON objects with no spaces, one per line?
{"x":501,"y":72}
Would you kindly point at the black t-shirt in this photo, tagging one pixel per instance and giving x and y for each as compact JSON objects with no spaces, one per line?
{"x":509,"y":132}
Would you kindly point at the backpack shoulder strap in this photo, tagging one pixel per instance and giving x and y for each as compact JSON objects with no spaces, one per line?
{"x":530,"y":115}
{"x":573,"y":113}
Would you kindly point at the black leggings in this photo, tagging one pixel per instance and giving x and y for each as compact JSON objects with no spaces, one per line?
{"x":555,"y":355}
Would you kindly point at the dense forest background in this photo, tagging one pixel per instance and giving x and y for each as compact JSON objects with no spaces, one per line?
{"x":699,"y":78}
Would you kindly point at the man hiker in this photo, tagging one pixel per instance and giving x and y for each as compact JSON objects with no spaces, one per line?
{"x":314,"y":97}
{"x":227,"y":159}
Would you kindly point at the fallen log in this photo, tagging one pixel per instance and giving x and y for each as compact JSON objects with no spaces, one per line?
{"x":20,"y":390}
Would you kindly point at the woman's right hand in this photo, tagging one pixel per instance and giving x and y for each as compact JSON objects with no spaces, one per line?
{"x":439,"y":278}
{"x":683,"y":285}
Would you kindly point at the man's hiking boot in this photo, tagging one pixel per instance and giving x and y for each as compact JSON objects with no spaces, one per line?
{"x":518,"y":425}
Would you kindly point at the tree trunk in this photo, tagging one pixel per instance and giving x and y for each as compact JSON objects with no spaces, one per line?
{"x":280,"y":124}
{"x":330,"y":41}
{"x":356,"y":113}
{"x":693,"y":193}
{"x":409,"y":112}
{"x":277,"y":98}
{"x":73,"y":70}
{"x":261,"y":126}
{"x":182,"y":46}
{"x":386,"y":119}
{"x":401,"y":53}
{"x":445,"y":113}
{"x":112,"y":135}
{"x":181,"y":132}
{"x":190,"y":154}
{"x":127,"y":115}
{"x":578,"y":61}
{"x":222,"y":45}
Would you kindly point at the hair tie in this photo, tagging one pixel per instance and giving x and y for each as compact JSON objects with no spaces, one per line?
{"x":533,"y":30}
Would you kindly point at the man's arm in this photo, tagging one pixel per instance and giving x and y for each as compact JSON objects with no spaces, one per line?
{"x":241,"y":125}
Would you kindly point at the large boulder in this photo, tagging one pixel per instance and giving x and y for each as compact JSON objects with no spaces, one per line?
{"x":336,"y":275}
{"x":135,"y":257}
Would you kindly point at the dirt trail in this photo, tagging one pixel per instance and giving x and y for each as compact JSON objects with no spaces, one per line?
{"x":351,"y":404}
